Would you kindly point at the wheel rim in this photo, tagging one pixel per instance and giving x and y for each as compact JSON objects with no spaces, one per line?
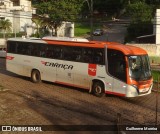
{"x":36,"y":77}
{"x":98,"y":89}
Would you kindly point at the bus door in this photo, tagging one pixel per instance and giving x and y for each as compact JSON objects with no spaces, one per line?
{"x":81,"y":77}
{"x":64,"y":73}
{"x":49,"y":70}
{"x":117,"y":70}
{"x":120,"y":77}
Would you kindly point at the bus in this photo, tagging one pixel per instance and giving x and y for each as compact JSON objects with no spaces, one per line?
{"x":97,"y":66}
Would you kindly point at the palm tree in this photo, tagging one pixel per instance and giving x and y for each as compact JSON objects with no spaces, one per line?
{"x":6,"y":26}
{"x":39,"y":24}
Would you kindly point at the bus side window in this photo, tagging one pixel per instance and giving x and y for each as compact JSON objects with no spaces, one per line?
{"x":49,"y":51}
{"x":11,"y":47}
{"x":28,"y":49}
{"x":42,"y":51}
{"x":98,"y":57}
{"x":68,"y":53}
{"x":34,"y":51}
{"x":87,"y":55}
{"x":57,"y":52}
{"x":19,"y":47}
{"x":77,"y":54}
{"x":24,"y":47}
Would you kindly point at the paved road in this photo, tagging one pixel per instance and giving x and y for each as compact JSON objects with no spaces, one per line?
{"x":113,"y":32}
{"x":27,"y":103}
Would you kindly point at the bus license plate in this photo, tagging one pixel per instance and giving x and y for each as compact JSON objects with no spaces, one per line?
{"x":144,"y":90}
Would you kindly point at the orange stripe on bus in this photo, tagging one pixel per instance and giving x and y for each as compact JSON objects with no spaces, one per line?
{"x":68,"y":84}
{"x":114,"y":93}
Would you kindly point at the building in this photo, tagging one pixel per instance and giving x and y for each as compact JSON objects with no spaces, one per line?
{"x":19,"y":12}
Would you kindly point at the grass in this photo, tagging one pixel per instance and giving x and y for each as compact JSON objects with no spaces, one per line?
{"x":155,"y":75}
{"x":83,"y":29}
{"x":154,"y":59}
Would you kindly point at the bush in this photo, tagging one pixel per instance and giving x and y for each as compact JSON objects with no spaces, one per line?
{"x":11,"y":35}
{"x":138,"y":29}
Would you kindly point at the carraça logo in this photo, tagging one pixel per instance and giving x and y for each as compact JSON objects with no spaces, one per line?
{"x":64,"y":66}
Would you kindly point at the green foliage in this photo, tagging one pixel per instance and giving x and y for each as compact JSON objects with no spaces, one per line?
{"x":155,"y":74}
{"x":39,"y":24}
{"x":109,"y":7}
{"x":81,"y":29}
{"x":138,"y":29}
{"x":141,"y":15}
{"x":5,"y":26}
{"x":154,"y":59}
{"x":140,"y":12}
{"x":58,"y":11}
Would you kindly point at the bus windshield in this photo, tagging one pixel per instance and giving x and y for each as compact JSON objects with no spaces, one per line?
{"x":139,"y":68}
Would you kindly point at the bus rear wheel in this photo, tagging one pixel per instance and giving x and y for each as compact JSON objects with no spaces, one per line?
{"x":98,"y":89}
{"x":35,"y":76}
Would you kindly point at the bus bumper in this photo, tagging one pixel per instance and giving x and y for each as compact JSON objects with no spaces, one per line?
{"x":134,"y":92}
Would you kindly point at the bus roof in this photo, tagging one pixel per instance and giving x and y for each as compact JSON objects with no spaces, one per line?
{"x":126,"y":49}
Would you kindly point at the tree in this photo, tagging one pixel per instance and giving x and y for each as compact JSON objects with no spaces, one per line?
{"x":140,"y":12}
{"x":141,"y":16}
{"x":5,"y":25}
{"x":39,"y":23}
{"x":58,"y":11}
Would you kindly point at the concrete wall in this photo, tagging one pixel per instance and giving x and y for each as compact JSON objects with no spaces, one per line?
{"x":152,"y":49}
{"x":20,"y":16}
{"x":2,"y":43}
{"x":66,"y":30}
{"x":157,"y":30}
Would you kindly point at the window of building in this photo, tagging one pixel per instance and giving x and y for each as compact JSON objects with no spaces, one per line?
{"x":16,"y":2}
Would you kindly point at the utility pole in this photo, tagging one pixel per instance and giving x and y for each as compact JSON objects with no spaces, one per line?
{"x":91,"y":19}
{"x":90,"y":6}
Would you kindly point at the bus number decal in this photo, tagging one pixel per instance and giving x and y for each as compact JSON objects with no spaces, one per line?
{"x":51,"y":64}
{"x":92,"y":69}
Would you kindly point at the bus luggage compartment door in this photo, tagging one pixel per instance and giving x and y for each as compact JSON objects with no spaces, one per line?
{"x":64,"y":72}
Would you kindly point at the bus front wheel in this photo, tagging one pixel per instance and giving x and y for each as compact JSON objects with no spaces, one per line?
{"x":98,"y":89}
{"x":35,"y":76}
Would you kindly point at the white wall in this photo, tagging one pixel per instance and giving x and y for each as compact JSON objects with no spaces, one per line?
{"x":157,"y":17}
{"x":66,"y":30}
{"x":26,"y":5}
{"x":2,"y":43}
{"x":152,"y":49}
{"x":19,"y":16}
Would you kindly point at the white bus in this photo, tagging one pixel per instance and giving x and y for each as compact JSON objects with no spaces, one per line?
{"x":100,"y":67}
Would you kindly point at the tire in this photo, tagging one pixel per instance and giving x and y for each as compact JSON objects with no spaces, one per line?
{"x":35,"y":76}
{"x":98,"y":89}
